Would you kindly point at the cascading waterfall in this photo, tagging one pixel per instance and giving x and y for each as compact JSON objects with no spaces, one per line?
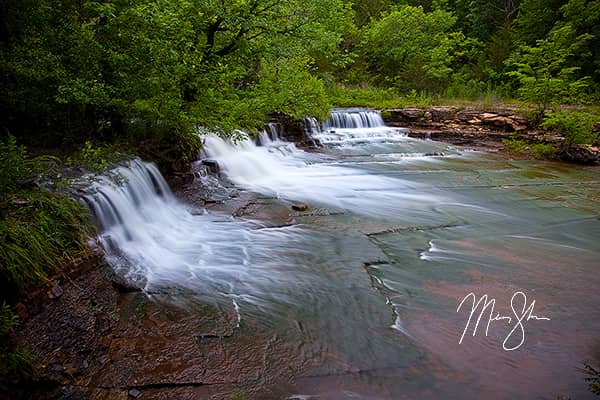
{"x":353,"y":118}
{"x":353,"y":126}
{"x":156,"y":242}
{"x":288,"y":173}
{"x":271,"y":134}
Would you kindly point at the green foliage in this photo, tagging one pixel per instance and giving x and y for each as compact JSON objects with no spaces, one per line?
{"x":147,"y":73}
{"x":544,"y":72}
{"x":515,"y":147}
{"x":577,"y":127}
{"x":8,"y":319}
{"x":238,"y":394}
{"x":593,"y":377}
{"x":94,"y":158}
{"x":349,"y":96}
{"x":544,"y":151}
{"x":38,"y":229}
{"x":39,"y":232}
{"x":410,"y":49}
{"x":16,"y":364}
{"x":15,"y":169}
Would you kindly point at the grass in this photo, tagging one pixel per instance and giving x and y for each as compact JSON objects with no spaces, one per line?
{"x":378,"y":98}
{"x":39,"y":230}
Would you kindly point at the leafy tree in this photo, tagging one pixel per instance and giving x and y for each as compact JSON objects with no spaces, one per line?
{"x":535,"y":19}
{"x":544,"y":73}
{"x":410,"y":49}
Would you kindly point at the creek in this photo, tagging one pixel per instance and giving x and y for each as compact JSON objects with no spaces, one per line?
{"x":364,"y":285}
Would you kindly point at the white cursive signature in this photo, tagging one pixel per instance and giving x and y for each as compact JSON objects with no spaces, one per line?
{"x":521,"y":315}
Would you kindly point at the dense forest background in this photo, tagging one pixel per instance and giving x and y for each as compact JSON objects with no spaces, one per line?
{"x":148,"y":71}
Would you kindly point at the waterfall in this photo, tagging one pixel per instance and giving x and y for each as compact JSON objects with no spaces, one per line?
{"x":353,"y":118}
{"x":296,"y":175}
{"x":353,"y":126}
{"x":155,"y":241}
{"x":271,"y":134}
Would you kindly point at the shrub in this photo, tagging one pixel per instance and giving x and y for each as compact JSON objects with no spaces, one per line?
{"x":576,"y":126}
{"x":15,"y":169}
{"x":8,"y":319}
{"x":544,"y":151}
{"x":515,"y":146}
{"x":38,"y":229}
{"x":593,"y":379}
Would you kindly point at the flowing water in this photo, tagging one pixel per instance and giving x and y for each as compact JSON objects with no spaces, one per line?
{"x":366,"y":283}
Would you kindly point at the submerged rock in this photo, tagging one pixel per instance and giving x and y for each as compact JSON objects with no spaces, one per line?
{"x":299,"y":207}
{"x":123,"y":285}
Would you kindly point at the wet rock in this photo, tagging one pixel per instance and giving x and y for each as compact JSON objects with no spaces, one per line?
{"x":299,"y":207}
{"x":55,"y":292}
{"x":123,"y":285}
{"x":212,"y":165}
{"x":435,"y":154}
{"x":180,"y":178}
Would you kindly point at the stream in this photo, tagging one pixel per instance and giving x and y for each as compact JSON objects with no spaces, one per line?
{"x":364,"y":285}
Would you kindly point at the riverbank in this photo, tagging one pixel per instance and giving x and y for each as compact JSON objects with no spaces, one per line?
{"x":99,"y":337}
{"x":489,"y":130}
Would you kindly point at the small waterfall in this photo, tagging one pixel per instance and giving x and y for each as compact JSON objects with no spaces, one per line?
{"x":311,"y":127}
{"x":353,"y":119}
{"x":301,"y":176}
{"x":353,"y":126}
{"x":271,"y":134}
{"x":157,"y":242}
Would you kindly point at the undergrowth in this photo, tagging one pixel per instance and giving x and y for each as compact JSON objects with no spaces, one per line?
{"x":39,"y":230}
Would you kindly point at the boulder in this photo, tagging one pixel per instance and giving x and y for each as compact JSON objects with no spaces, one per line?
{"x":583,"y":154}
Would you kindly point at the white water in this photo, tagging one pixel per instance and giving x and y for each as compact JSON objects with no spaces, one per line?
{"x":155,"y":241}
{"x":353,"y":126}
{"x":354,"y":118}
{"x":280,"y":170}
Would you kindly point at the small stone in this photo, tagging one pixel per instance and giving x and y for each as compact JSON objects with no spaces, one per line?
{"x":55,"y":292}
{"x":300,"y":207}
{"x":134,"y":393}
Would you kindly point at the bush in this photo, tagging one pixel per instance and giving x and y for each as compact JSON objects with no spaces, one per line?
{"x":95,"y":158}
{"x":544,"y":151}
{"x":15,"y":169}
{"x":8,"y":319}
{"x":576,"y":127}
{"x":39,"y":233}
{"x":38,"y":229}
{"x":593,"y":377}
{"x":515,"y":146}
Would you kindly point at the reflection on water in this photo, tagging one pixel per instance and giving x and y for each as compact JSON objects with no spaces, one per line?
{"x":368,"y":294}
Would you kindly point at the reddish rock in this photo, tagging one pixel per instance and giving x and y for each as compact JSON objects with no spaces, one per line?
{"x":300,"y":207}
